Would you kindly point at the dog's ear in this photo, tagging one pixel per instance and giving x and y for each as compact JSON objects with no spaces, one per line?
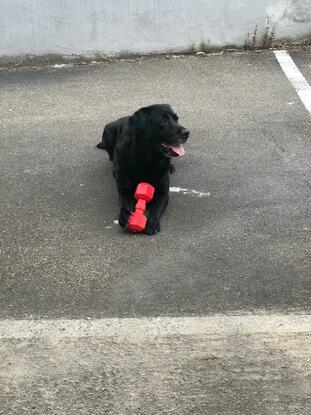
{"x":168,"y":107}
{"x":139,"y":122}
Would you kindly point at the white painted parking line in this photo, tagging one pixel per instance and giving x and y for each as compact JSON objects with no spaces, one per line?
{"x":191,"y":192}
{"x":277,"y":324}
{"x":181,"y":190}
{"x":296,"y":78}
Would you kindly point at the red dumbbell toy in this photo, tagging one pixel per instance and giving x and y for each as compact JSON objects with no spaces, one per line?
{"x":143,"y":194}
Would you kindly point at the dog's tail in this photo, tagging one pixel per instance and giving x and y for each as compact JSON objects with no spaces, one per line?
{"x":101,"y":145}
{"x":108,"y":141}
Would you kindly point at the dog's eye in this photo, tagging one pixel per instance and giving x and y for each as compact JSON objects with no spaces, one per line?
{"x":163,"y":121}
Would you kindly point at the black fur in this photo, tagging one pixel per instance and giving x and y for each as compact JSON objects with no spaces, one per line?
{"x":134,"y":145}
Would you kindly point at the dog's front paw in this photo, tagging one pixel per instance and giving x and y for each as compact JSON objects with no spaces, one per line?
{"x":152,"y":226}
{"x":124,"y":217}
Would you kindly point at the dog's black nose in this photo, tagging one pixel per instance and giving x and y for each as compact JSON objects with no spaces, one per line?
{"x":185,"y":133}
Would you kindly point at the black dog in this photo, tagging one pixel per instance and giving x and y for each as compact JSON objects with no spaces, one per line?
{"x":141,"y":148}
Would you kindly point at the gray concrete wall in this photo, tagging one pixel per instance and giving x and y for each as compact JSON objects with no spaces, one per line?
{"x":293,"y":18}
{"x":87,"y":27}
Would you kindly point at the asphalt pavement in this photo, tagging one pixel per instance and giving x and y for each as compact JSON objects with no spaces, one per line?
{"x":241,"y":247}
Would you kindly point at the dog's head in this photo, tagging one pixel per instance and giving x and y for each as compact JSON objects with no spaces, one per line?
{"x":158,"y":125}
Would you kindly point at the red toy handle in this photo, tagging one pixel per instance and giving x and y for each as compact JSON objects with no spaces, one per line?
{"x":143,"y":194}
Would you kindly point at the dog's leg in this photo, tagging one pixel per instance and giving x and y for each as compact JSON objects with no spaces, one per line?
{"x":156,"y":209}
{"x":126,"y":200}
{"x":126,"y":207}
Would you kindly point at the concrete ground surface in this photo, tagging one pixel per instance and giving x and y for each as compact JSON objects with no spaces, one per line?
{"x":237,"y":256}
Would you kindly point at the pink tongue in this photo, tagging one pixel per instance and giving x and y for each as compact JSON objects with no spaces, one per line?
{"x":178,"y":150}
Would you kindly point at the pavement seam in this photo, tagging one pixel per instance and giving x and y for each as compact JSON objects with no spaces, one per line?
{"x":277,"y":324}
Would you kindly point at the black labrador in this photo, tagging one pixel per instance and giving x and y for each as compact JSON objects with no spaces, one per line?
{"x":141,"y":147}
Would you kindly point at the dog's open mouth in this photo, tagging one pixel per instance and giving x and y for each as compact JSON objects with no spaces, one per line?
{"x":173,"y":151}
